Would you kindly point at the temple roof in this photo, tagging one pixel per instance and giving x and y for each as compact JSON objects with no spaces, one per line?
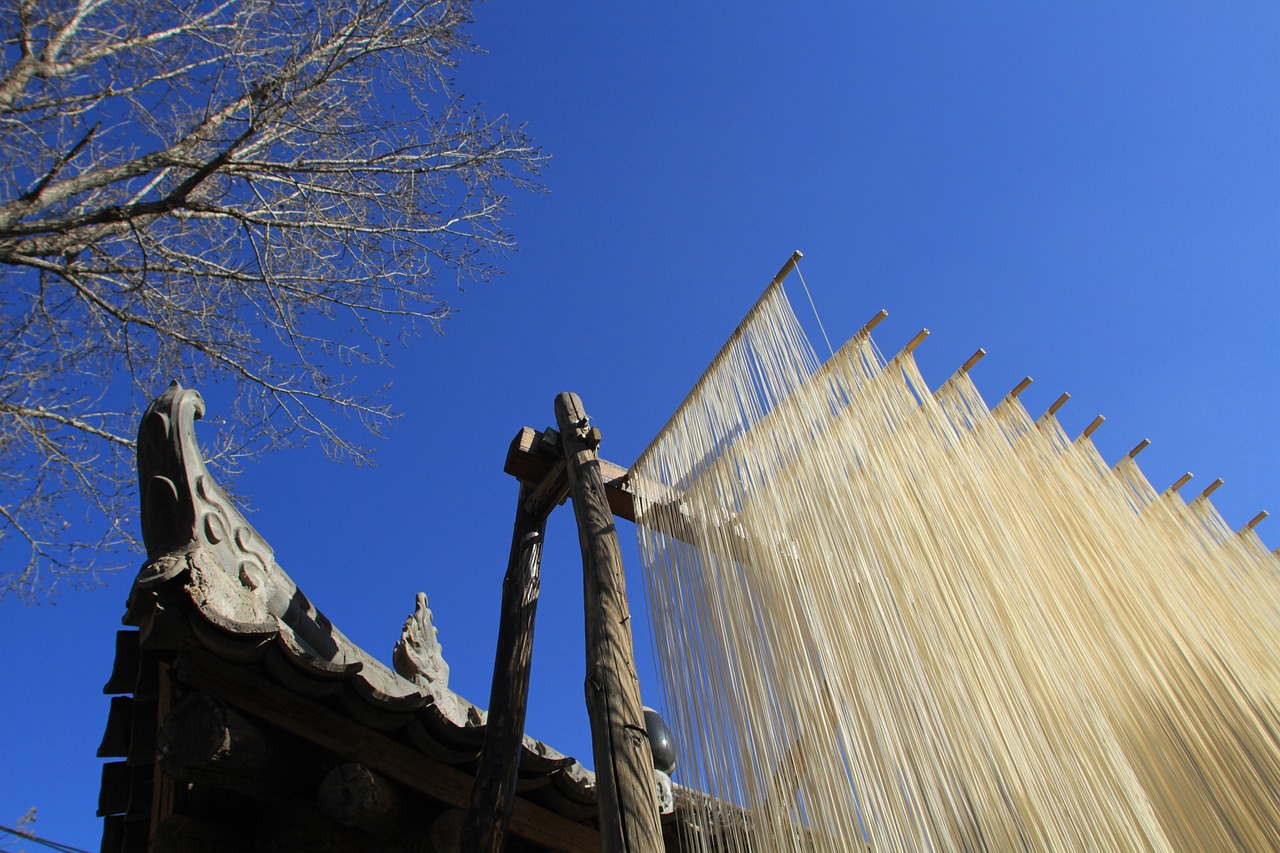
{"x":212,"y":594}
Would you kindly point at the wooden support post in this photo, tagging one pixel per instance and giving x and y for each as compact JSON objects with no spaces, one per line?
{"x":484,"y":827}
{"x":629,"y":821}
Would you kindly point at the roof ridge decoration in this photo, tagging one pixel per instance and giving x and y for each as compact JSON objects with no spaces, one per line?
{"x":196,"y":537}
{"x":189,"y":524}
{"x":418,"y":655}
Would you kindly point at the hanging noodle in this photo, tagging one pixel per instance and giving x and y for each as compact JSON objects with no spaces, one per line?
{"x":890,"y":616}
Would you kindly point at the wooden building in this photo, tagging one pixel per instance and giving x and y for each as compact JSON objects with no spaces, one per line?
{"x":243,"y":720}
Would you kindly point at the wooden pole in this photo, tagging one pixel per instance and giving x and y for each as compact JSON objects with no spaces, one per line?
{"x":1058,"y":404}
{"x":629,"y":821}
{"x":484,"y":827}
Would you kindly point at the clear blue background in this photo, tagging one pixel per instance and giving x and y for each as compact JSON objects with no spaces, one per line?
{"x":1090,"y":191}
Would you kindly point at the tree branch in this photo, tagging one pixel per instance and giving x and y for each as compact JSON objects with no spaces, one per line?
{"x":215,"y":193}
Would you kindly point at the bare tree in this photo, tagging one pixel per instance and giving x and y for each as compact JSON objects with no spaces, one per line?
{"x":259,"y":192}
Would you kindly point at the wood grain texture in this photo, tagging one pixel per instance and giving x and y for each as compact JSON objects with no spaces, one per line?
{"x":624,"y":765}
{"x":484,"y":827}
{"x":530,"y":460}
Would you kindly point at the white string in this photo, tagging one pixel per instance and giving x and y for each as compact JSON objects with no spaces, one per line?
{"x":814,"y":308}
{"x":890,"y":615}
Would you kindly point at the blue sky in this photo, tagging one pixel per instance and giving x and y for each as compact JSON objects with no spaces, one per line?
{"x":1090,"y":191}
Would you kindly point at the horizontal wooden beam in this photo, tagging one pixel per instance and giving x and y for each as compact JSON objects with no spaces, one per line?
{"x":351,"y":741}
{"x":534,"y":458}
{"x":533,"y":455}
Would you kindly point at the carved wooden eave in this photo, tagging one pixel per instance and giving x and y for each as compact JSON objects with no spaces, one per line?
{"x":215,"y":613}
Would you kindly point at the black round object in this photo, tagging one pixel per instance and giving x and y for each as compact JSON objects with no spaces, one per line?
{"x":660,"y":741}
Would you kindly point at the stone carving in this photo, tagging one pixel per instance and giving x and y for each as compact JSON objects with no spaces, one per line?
{"x":418,"y":656}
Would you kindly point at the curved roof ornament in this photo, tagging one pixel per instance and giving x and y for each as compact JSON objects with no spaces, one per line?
{"x":183,"y":508}
{"x":189,"y":524}
{"x":418,"y":655}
